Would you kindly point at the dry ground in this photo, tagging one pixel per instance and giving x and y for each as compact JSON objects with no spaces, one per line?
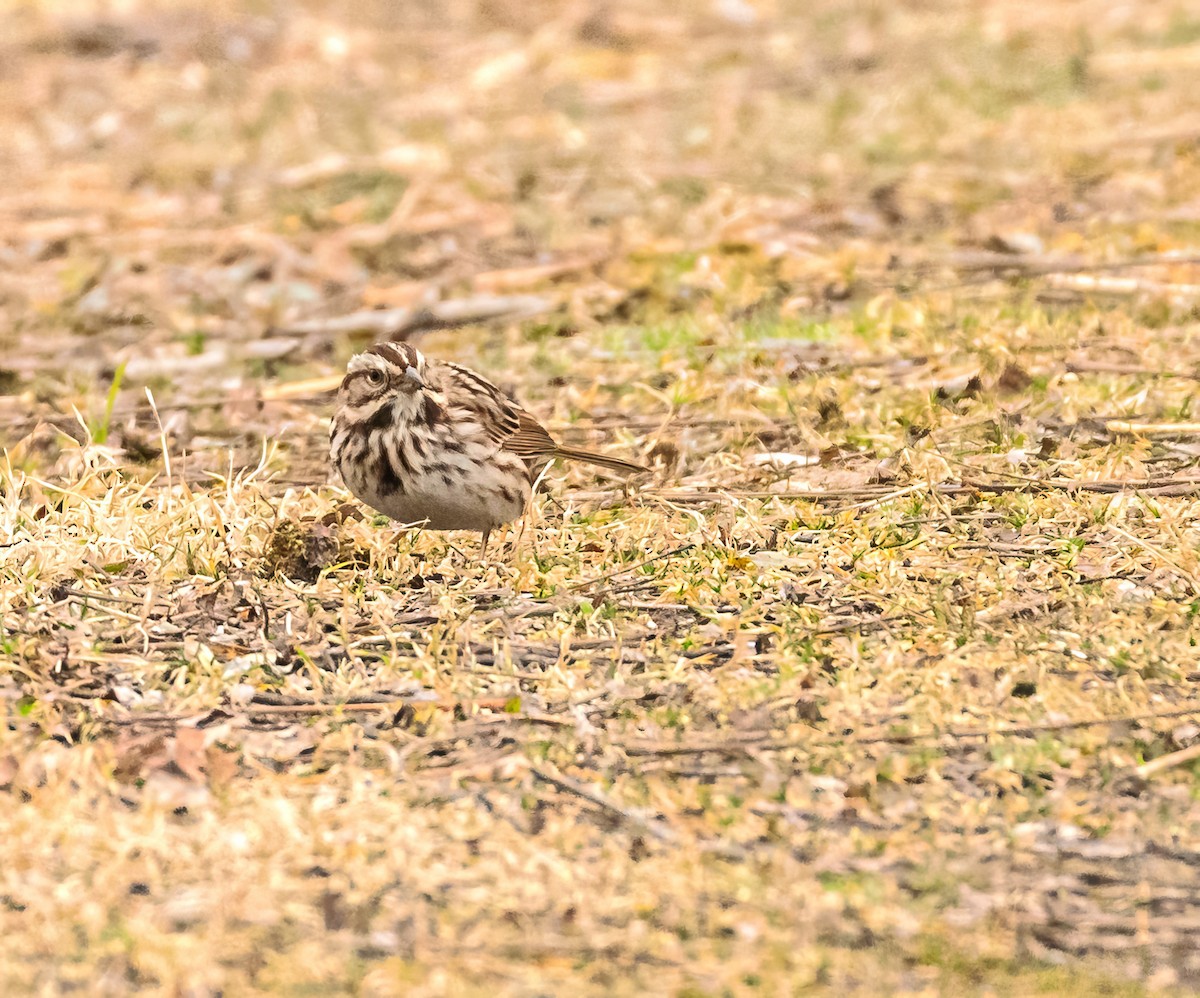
{"x":880,"y":684}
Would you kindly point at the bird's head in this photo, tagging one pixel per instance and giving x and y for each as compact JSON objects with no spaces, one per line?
{"x":387,"y":373}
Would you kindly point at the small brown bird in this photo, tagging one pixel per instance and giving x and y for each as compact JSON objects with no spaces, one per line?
{"x":427,"y":441}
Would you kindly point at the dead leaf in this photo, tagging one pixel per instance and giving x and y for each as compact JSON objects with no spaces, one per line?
{"x":1013,"y":379}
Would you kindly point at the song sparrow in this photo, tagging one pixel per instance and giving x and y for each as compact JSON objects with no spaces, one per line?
{"x":427,"y":441}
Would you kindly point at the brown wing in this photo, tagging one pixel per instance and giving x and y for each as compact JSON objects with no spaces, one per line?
{"x":509,"y":426}
{"x":531,"y":439}
{"x":503,"y":421}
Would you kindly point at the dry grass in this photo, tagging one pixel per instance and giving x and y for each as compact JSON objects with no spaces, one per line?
{"x":875,"y":686}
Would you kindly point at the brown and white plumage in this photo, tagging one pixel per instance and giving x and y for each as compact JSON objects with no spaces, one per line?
{"x":429,"y":441}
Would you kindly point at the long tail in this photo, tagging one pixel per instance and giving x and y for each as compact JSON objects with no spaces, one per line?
{"x":603,"y":460}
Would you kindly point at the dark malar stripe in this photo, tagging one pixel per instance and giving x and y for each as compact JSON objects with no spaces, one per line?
{"x":432,"y":412}
{"x":380,"y":420}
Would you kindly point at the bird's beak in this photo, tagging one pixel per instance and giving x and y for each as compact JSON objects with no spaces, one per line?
{"x":412,"y":375}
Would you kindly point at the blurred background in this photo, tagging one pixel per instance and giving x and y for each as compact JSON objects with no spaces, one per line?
{"x":193,"y":191}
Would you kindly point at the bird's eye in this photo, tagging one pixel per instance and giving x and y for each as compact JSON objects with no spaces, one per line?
{"x":375,"y":376}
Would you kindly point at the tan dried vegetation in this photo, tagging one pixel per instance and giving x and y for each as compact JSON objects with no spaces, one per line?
{"x":881,"y":684}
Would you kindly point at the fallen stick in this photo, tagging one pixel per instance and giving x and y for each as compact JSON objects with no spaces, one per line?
{"x":1128,"y":426}
{"x":1168,"y":761}
{"x":399,"y":323}
{"x":764,"y":742}
{"x":306,"y":388}
{"x":564,"y":784}
{"x":1085,"y":366}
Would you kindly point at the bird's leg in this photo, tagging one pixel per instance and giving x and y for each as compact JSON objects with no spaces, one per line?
{"x":483,"y":554}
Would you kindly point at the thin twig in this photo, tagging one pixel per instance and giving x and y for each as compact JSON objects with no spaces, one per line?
{"x":560,"y":781}
{"x":355,"y":707}
{"x":631,"y":568}
{"x":763,"y":742}
{"x":1168,"y":761}
{"x":1148,"y":429}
